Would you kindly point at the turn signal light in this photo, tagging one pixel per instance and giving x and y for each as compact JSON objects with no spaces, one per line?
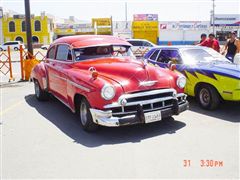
{"x":173,"y":67}
{"x":94,"y":74}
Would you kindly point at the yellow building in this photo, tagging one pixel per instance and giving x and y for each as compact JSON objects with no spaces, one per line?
{"x":14,"y":29}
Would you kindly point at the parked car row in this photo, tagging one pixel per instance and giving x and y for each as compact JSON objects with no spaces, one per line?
{"x":14,"y":45}
{"x":99,"y":78}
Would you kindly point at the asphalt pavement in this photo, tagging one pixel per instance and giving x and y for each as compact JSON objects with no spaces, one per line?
{"x":45,"y":140}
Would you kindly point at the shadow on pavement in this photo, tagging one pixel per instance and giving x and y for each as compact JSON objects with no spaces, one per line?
{"x":67,"y":122}
{"x":227,"y":111}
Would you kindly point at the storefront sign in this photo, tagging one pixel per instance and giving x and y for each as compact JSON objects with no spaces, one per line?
{"x":145,"y":26}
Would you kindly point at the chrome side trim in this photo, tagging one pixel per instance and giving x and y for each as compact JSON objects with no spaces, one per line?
{"x":78,"y":86}
{"x":140,"y":102}
{"x":73,"y":83}
{"x":59,"y":77}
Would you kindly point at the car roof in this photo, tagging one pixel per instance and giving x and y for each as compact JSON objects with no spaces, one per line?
{"x":79,"y":41}
{"x":179,"y":47}
{"x":138,"y":40}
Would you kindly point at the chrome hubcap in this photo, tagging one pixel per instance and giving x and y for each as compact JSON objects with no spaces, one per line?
{"x":204,"y":96}
{"x":83,"y":113}
{"x":37,"y":89}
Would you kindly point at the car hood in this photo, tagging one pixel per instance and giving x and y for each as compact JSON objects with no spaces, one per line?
{"x":132,"y":75}
{"x":224,"y":69}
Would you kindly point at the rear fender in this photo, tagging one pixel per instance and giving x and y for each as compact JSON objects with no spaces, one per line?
{"x":39,"y":73}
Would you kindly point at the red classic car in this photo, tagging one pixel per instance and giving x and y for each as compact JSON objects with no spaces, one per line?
{"x":99,"y":78}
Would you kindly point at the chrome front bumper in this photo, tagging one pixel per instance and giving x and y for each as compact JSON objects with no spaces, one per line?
{"x":106,"y":118}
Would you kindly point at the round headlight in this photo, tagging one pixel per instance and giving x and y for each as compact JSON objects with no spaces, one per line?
{"x":181,"y":82}
{"x":108,"y":92}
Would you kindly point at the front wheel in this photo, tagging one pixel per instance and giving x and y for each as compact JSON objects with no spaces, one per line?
{"x":208,"y":97}
{"x":86,"y":116}
{"x":40,"y":94}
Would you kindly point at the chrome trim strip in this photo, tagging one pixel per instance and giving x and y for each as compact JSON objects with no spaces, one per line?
{"x":78,"y":86}
{"x":56,"y":76}
{"x":146,"y":110}
{"x":72,"y":83}
{"x":140,"y":102}
{"x":147,"y":93}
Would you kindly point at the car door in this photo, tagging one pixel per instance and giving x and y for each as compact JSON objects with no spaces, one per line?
{"x":57,"y":70}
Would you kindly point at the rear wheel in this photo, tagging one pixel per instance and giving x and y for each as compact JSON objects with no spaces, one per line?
{"x":86,"y":116}
{"x":208,"y":97}
{"x":1,"y":49}
{"x":15,"y":49}
{"x":40,"y":94}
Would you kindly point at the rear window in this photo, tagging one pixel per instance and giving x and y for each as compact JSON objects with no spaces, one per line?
{"x":51,"y":53}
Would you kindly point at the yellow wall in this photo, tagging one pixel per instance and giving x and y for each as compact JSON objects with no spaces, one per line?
{"x":145,"y":30}
{"x":43,"y":35}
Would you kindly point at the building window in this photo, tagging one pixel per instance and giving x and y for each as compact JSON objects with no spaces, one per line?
{"x":35,"y":39}
{"x":11,"y":26}
{"x":23,"y":26}
{"x":37,"y":25}
{"x":19,"y":38}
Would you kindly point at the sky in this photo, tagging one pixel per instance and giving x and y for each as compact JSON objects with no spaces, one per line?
{"x":167,"y":10}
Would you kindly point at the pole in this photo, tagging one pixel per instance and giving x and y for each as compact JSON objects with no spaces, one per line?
{"x":21,"y":62}
{"x":213,"y":16}
{"x":126,"y":12}
{"x":28,"y":27}
{"x":10,"y":64}
{"x":111,"y":26}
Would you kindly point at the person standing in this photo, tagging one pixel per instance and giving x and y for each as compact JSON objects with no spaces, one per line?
{"x":203,"y":38}
{"x":231,"y":46}
{"x":211,"y":42}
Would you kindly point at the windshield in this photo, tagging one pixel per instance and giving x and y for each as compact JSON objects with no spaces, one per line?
{"x":102,"y":51}
{"x":193,"y":56}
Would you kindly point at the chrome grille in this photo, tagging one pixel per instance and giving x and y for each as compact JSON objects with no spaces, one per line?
{"x":150,"y":101}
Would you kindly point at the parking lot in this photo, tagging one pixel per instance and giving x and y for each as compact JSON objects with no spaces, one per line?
{"x":45,"y":140}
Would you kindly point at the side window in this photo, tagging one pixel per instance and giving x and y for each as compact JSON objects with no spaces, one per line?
{"x":145,"y":43}
{"x":168,"y":55}
{"x":51,"y":53}
{"x":154,"y":55}
{"x":136,"y":43}
{"x":63,"y":53}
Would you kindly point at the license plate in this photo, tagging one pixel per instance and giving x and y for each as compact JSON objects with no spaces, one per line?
{"x":153,"y":116}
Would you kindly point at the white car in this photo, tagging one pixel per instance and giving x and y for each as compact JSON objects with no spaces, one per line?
{"x":140,"y":46}
{"x":236,"y":59}
{"x":14,"y":45}
{"x":45,"y":47}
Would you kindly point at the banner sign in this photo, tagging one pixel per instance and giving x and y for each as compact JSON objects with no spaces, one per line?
{"x":188,"y":25}
{"x":227,"y":20}
{"x":145,"y":17}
